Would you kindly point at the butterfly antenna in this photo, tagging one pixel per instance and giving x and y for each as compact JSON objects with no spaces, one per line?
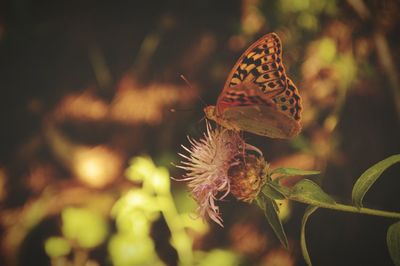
{"x":174,"y":110}
{"x":201,"y":119}
{"x":190,"y":86}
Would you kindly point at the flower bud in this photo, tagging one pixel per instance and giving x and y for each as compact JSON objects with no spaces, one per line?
{"x":246,"y":178}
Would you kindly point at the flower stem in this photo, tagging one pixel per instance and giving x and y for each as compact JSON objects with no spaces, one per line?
{"x":349,"y":208}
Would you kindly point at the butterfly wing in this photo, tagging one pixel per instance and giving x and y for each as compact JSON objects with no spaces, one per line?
{"x":289,"y":101}
{"x":252,"y":112}
{"x":258,"y":96}
{"x":260,"y":67}
{"x":254,"y":118}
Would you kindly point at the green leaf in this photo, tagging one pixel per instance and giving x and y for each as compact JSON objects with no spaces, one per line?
{"x":393,"y":242}
{"x":287,"y":171}
{"x":271,"y":212}
{"x":309,"y":192}
{"x":304,"y":251}
{"x":272,"y":192}
{"x":368,"y":178}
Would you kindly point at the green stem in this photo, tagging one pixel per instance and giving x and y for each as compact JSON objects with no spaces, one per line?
{"x":349,"y":208}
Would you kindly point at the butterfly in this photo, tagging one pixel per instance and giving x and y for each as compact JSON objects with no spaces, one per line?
{"x":258,"y":96}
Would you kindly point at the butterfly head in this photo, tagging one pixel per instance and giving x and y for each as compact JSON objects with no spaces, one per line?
{"x":212,"y":114}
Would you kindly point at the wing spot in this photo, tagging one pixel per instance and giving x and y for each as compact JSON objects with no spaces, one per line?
{"x":257,"y":50}
{"x":242,"y":100}
{"x":255,"y":72}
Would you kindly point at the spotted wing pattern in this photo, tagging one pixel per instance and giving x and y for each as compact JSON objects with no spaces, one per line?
{"x":242,"y":95}
{"x":289,"y":101}
{"x":261,"y":64}
{"x":259,"y":78}
{"x":258,"y":97}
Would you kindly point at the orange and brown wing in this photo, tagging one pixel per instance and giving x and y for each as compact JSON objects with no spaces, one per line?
{"x":289,"y":101}
{"x":260,"y":65}
{"x":258,"y":97}
{"x":260,"y":69}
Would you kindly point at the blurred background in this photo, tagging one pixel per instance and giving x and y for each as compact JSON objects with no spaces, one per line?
{"x":93,"y":112}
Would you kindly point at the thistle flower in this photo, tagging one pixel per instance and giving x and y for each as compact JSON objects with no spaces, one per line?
{"x":213,"y":166}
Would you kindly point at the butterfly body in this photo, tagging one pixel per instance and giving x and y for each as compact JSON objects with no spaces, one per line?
{"x":258,"y":97}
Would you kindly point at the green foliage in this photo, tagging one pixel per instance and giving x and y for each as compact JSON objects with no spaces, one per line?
{"x":134,"y":223}
{"x":309,"y":192}
{"x":135,"y":212}
{"x":140,"y":168}
{"x":137,"y":200}
{"x":57,"y":247}
{"x":368,"y":178}
{"x":393,"y":242}
{"x":84,"y":226}
{"x":273,"y":192}
{"x":160,"y":181}
{"x":310,"y":210}
{"x":139,"y":207}
{"x":304,"y":190}
{"x":128,"y":250}
{"x":288,"y":171}
{"x":271,"y":211}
